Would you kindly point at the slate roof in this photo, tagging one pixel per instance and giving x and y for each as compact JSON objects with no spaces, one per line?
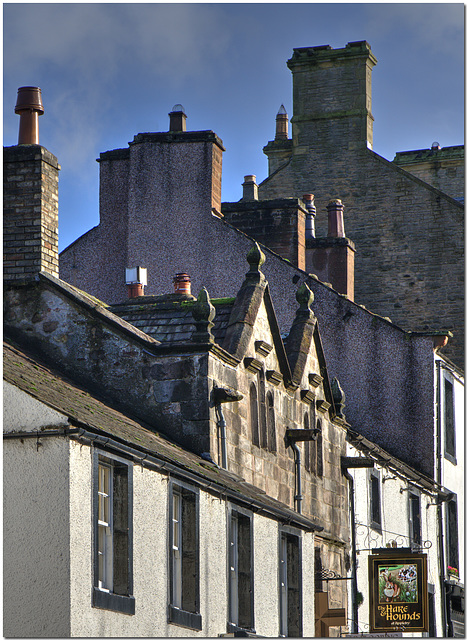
{"x":168,"y":318}
{"x":84,"y":409}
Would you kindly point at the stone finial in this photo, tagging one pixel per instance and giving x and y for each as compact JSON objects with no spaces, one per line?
{"x":304,"y":297}
{"x":255,"y":259}
{"x":338,"y":397}
{"x":203,"y":313}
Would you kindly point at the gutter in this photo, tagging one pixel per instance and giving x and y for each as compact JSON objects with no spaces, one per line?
{"x":87,"y":437}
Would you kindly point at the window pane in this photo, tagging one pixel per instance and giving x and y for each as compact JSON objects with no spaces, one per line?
{"x":449,"y":428}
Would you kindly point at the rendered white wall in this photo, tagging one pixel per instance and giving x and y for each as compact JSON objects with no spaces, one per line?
{"x":395,"y":526}
{"x":36,"y":562}
{"x":22,"y":412}
{"x":150,"y":562}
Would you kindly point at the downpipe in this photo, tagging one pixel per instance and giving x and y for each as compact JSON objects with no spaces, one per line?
{"x":298,"y":476}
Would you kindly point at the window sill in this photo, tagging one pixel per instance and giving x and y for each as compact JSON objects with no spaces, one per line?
{"x":450,"y":457}
{"x":240,"y":632}
{"x":185,"y":618}
{"x":113,"y":602}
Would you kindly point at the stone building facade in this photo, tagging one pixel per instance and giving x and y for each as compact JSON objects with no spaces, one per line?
{"x":442,"y":168}
{"x":408,"y":231}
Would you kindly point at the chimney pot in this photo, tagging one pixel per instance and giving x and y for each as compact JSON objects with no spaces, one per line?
{"x":309,"y":200}
{"x":182,"y":283}
{"x":136,"y":278}
{"x":250,"y":188}
{"x":335,"y":219}
{"x":177,"y":118}
{"x":435,"y":146}
{"x":282,"y":124}
{"x":29,"y":107}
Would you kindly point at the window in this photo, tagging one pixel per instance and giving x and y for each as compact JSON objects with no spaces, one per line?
{"x":452,"y":534}
{"x":263,"y":416}
{"x":308,"y":445}
{"x":319,"y":450}
{"x":184,"y":556}
{"x":318,"y":570}
{"x":415,"y":525}
{"x":375,"y":501}
{"x":271,"y":422}
{"x":314,"y":450}
{"x":113,"y":533}
{"x":290,"y":596}
{"x":241,"y":601}
{"x":254,"y":422}
{"x":449,"y":423}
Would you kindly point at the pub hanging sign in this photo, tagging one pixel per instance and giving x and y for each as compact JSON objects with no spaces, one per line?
{"x":398,"y":592}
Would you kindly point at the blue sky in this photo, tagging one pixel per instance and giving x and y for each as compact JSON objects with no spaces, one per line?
{"x":110,"y":71}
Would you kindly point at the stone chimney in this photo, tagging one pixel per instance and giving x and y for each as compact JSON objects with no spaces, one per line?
{"x":332,"y":258}
{"x":250,"y":188}
{"x":279,"y":150}
{"x":30,"y":198}
{"x":332,"y":96}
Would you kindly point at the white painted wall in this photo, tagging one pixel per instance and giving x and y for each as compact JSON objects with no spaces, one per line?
{"x":22,"y":412}
{"x":395,"y":526}
{"x":36,"y":562}
{"x":150,"y":562}
{"x":453,"y":473}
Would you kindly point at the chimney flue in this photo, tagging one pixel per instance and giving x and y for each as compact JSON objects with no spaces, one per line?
{"x":250,"y":188}
{"x":282,"y":124}
{"x":335,"y":219}
{"x":29,"y":107}
{"x":177,"y":118}
{"x":309,"y":200}
{"x":182,"y":284}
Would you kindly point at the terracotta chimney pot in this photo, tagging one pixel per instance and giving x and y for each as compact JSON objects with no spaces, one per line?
{"x":182,"y":283}
{"x":29,"y":107}
{"x":309,"y":200}
{"x":335,"y":219}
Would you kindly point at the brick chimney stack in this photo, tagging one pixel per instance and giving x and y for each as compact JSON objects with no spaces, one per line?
{"x":332,"y":258}
{"x":30,"y":198}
